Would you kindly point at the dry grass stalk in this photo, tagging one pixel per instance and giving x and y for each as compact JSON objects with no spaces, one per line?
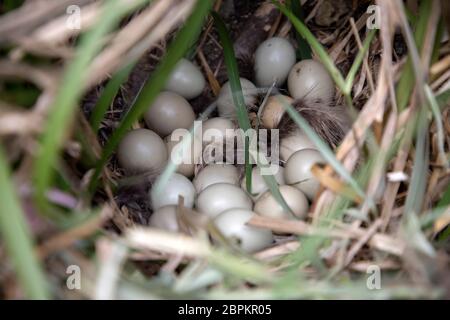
{"x":378,"y":241}
{"x":154,"y":239}
{"x":67,"y":238}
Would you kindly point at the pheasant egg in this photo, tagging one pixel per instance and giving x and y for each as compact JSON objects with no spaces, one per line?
{"x":216,"y":129}
{"x":220,"y":197}
{"x":142,"y":150}
{"x":274,"y":59}
{"x":225,"y":102}
{"x":259,"y":186}
{"x":309,"y":79}
{"x":268,"y":206}
{"x":298,"y":171}
{"x":178,"y":185}
{"x":190,"y":155}
{"x":186,"y":79}
{"x":215,"y":173}
{"x":293,"y":143}
{"x":233,"y":225}
{"x":165,"y":218}
{"x":170,"y":111}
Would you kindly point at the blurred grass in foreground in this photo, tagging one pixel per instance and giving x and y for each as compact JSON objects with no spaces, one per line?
{"x":219,"y":274}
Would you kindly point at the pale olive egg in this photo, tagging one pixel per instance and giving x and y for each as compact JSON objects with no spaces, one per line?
{"x":274,"y":110}
{"x":170,"y":111}
{"x":309,"y":79}
{"x":186,"y":79}
{"x":225,"y":102}
{"x":233,"y":225}
{"x":186,"y":157}
{"x":217,"y":129}
{"x":142,"y":150}
{"x":295,"y":142}
{"x":215,"y":173}
{"x":274,"y":59}
{"x":298,"y":171}
{"x":165,"y":218}
{"x":259,"y":185}
{"x":220,"y":197}
{"x":178,"y":185}
{"x":268,"y":206}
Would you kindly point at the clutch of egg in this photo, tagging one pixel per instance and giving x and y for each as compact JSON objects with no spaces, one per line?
{"x":217,"y":190}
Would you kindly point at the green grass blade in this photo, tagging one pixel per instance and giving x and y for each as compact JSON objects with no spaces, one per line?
{"x":17,"y":239}
{"x":411,"y":16}
{"x":323,"y":148}
{"x":244,"y":122}
{"x":445,"y":200}
{"x":407,"y":79}
{"x":9,"y":5}
{"x":437,"y":41}
{"x":236,"y":89}
{"x":444,"y":235}
{"x":271,"y":182}
{"x":439,"y":126}
{"x":65,"y":104}
{"x":171,"y":167}
{"x":108,"y":95}
{"x":416,"y":191}
{"x":443,"y":99}
{"x":308,"y":252}
{"x":315,"y":45}
{"x":155,"y":83}
{"x":303,"y":51}
{"x":358,"y":60}
{"x":247,"y":269}
{"x":429,"y":217}
{"x":233,"y":73}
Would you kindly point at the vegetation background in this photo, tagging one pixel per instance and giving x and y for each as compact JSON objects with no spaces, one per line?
{"x":68,"y":95}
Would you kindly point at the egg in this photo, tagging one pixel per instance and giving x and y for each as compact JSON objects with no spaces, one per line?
{"x":225,"y":102}
{"x":295,"y":142}
{"x":216,"y":173}
{"x":259,"y":185}
{"x":142,"y":150}
{"x":233,"y":225}
{"x":274,"y":110}
{"x":309,"y":79}
{"x":186,"y":79}
{"x":268,"y":206}
{"x":165,"y":218}
{"x":298,"y":171}
{"x":274,"y":59}
{"x":170,"y":111}
{"x":220,"y":197}
{"x":178,"y":185}
{"x":217,"y":129}
{"x":186,"y":159}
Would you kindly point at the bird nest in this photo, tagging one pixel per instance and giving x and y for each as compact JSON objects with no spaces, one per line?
{"x":382,"y":205}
